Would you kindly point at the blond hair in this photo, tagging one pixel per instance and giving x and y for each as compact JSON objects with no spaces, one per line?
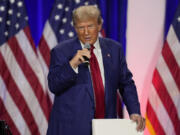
{"x":86,"y":12}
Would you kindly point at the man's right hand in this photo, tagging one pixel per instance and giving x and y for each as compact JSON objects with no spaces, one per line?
{"x":78,"y":58}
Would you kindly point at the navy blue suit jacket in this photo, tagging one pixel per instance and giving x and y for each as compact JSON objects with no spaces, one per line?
{"x":74,"y":107}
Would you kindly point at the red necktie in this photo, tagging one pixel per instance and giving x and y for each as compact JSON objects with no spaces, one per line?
{"x":97,"y":85}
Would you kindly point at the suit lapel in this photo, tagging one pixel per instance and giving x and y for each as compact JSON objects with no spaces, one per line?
{"x":107,"y":62}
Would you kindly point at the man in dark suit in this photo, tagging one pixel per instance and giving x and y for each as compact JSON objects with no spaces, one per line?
{"x":84,"y":92}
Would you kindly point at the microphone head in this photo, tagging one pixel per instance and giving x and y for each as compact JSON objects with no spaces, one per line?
{"x":87,"y":46}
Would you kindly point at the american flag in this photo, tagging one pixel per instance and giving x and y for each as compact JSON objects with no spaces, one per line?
{"x":163,"y":108}
{"x":24,"y":101}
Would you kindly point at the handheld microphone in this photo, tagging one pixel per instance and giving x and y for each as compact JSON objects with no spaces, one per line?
{"x":87,"y":46}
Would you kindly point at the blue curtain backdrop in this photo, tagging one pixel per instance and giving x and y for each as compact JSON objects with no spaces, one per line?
{"x":114,"y":13}
{"x":38,"y":12}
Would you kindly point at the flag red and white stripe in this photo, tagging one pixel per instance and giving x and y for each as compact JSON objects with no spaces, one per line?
{"x":163,"y":113}
{"x":24,"y":99}
{"x":47,"y":42}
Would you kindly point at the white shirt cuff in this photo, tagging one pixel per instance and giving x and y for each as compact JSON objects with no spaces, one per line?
{"x":75,"y":70}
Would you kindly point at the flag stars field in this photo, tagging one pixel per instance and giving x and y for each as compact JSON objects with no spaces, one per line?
{"x":67,"y":9}
{"x":178,"y":19}
{"x":26,"y":18}
{"x":10,"y":11}
{"x":86,"y":3}
{"x":8,"y":22}
{"x":12,"y":1}
{"x":71,"y":34}
{"x":64,"y":20}
{"x":2,"y":8}
{"x":18,"y":14}
{"x":17,"y":25}
{"x":71,"y":23}
{"x":20,"y":4}
{"x":57,"y":17}
{"x":77,"y":1}
{"x":59,"y":6}
{"x":61,"y":31}
{"x":6,"y":33}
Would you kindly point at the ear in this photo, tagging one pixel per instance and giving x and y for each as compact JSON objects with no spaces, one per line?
{"x":99,"y":27}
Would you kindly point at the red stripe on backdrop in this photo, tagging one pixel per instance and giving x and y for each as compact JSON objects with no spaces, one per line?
{"x":18,"y":97}
{"x":172,"y":64}
{"x":154,"y":121}
{"x":166,"y":100}
{"x":45,"y":50}
{"x":30,"y":76}
{"x":5,"y":116}
{"x":28,"y":35}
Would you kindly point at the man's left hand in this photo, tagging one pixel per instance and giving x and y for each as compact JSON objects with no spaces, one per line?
{"x":140,"y":121}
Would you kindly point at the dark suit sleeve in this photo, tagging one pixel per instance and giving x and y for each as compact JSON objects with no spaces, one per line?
{"x":61,"y":76}
{"x":127,"y":87}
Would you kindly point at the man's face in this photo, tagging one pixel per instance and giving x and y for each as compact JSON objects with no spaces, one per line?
{"x":88,"y":30}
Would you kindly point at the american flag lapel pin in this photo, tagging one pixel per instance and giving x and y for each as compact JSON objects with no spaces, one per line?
{"x":108,"y":55}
